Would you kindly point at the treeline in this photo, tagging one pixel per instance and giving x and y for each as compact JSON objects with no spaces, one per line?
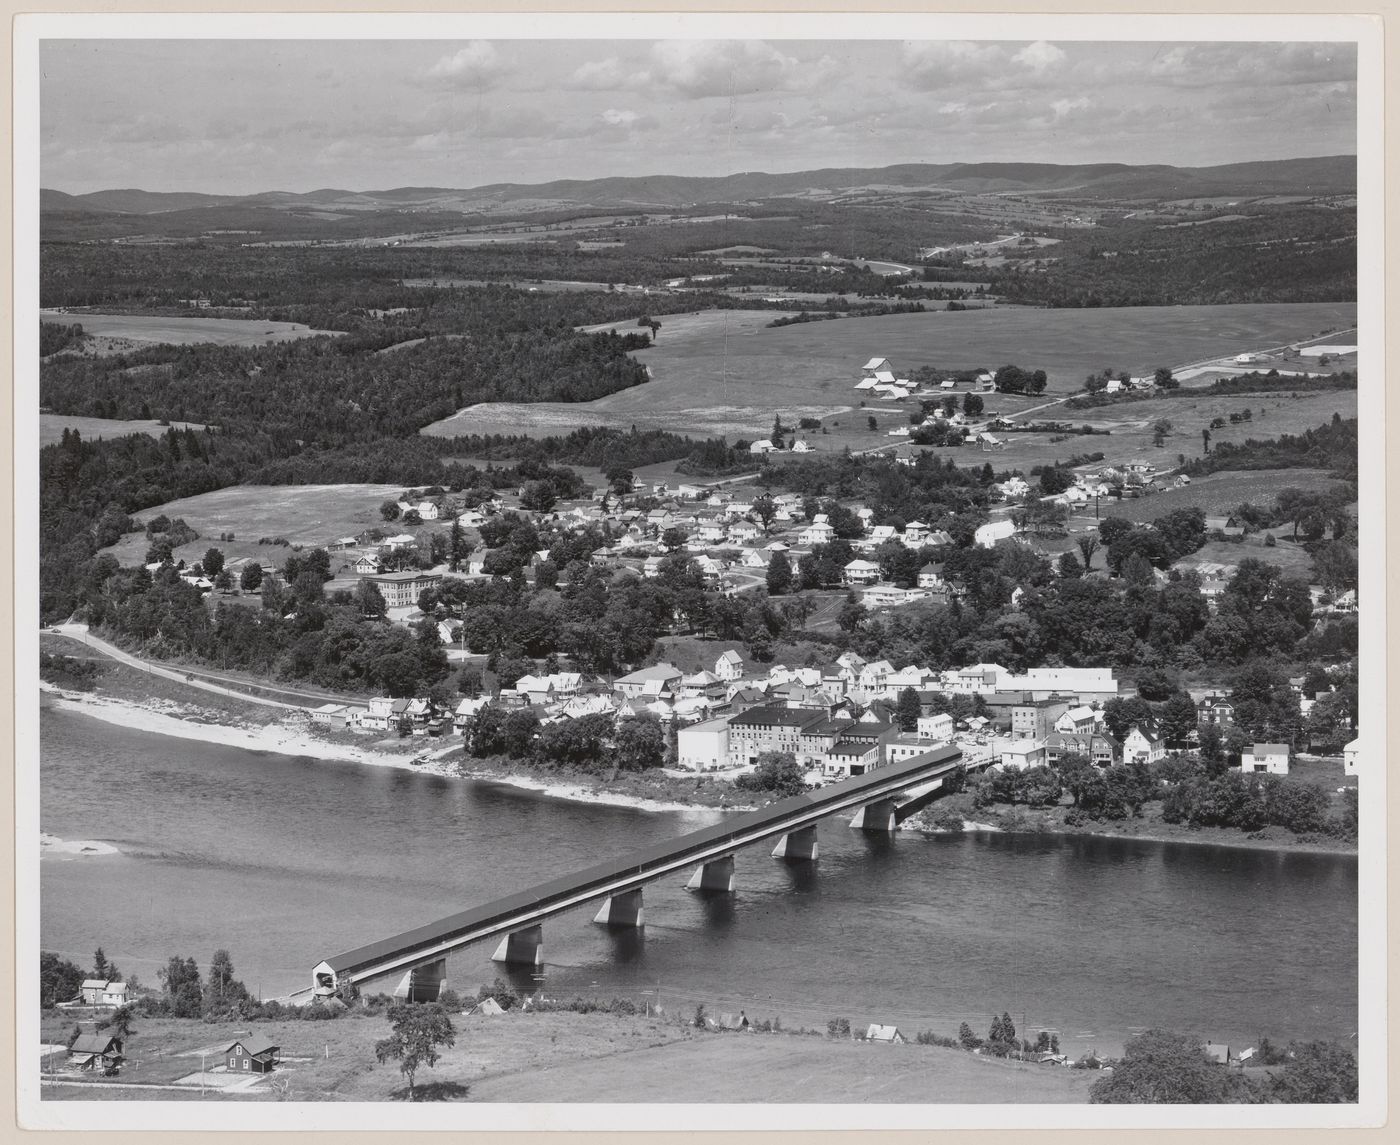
{"x":606,"y":447}
{"x":594,"y":744}
{"x":56,"y":336}
{"x":1256,"y":382}
{"x":1281,"y":254}
{"x":932,"y":490}
{"x":1333,"y":447}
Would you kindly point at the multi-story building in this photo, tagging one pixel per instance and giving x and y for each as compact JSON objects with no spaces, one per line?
{"x":402,"y":589}
{"x":770,"y":727}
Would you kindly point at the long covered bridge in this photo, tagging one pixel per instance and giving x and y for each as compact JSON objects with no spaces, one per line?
{"x":880,"y":798}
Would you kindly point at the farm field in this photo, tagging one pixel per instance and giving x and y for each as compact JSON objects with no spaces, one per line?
{"x":52,"y":425}
{"x":1219,"y":493}
{"x":114,"y":333}
{"x":725,"y":372}
{"x":564,"y":1056}
{"x":309,"y":515}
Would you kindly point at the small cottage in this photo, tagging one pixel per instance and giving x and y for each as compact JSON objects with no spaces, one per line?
{"x":258,"y":1056}
{"x":97,"y":1052}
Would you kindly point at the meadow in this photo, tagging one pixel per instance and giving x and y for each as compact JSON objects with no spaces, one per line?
{"x":307,"y":515}
{"x":115,"y":333}
{"x":727,"y":372}
{"x":52,"y":425}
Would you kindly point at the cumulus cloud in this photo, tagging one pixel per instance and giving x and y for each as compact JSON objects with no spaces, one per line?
{"x":702,"y":68}
{"x":477,"y":64}
{"x":1038,"y":56}
{"x":931,"y":64}
{"x":1063,"y":107}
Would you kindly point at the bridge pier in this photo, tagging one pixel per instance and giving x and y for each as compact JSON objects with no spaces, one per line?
{"x":716,"y":875}
{"x":521,"y":948}
{"x":798,"y":845}
{"x":423,"y":983}
{"x":877,"y":816}
{"x":622,"y":910}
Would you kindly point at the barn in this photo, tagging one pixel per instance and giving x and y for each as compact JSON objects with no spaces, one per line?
{"x":253,"y":1057}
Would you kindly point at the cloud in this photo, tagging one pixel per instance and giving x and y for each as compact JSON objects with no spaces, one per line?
{"x":1063,"y":107}
{"x":932,"y":64}
{"x":607,"y":75}
{"x":1038,"y":56}
{"x":704,"y":68}
{"x":478,"y":64}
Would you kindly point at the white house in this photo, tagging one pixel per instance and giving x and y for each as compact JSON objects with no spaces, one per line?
{"x":634,"y":685}
{"x":1349,"y":756}
{"x":1080,"y":719}
{"x":800,"y":446}
{"x":1141,"y":746}
{"x":879,"y":534}
{"x":1023,"y":753}
{"x":989,"y":534}
{"x":861,"y":572}
{"x":1268,"y":757}
{"x":817,"y":533}
{"x":929,"y":578}
{"x":936,"y":727}
{"x":729,"y":666}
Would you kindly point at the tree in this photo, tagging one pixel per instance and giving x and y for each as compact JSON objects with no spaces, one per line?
{"x":1178,"y":718}
{"x":59,"y":979}
{"x":765,"y":509}
{"x":417,"y":1034}
{"x":1068,"y":566}
{"x":779,"y":575}
{"x":1161,"y":1068}
{"x":1088,"y":546}
{"x":777,"y":772}
{"x":251,"y":578}
{"x":370,"y":600}
{"x":1205,"y":440}
{"x":639,"y":743}
{"x":969,"y":1040}
{"x":1316,"y":1073}
{"x":222,"y":989}
{"x":851,"y":615}
{"x":389,"y":510}
{"x":182,"y":987}
{"x":872,"y":423}
{"x":100,"y":968}
{"x":213,"y":563}
{"x":1162,"y":376}
{"x":120,"y":1022}
{"x":537,"y":496}
{"x":1160,"y":428}
{"x":972,"y":405}
{"x":673,"y":539}
{"x":907,"y":710}
{"x":412,"y":517}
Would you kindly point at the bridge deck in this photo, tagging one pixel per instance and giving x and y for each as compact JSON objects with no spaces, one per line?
{"x":636,"y":868}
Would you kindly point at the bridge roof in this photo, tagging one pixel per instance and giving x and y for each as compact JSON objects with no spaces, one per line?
{"x":638,"y":862}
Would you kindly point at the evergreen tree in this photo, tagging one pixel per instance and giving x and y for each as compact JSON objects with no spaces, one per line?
{"x":907,"y":710}
{"x":779,"y":575}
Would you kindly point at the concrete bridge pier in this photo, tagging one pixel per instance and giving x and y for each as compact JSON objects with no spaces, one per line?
{"x":521,"y":947}
{"x":621,"y":910}
{"x":877,"y":816}
{"x":716,"y":875}
{"x":423,"y":983}
{"x":798,"y":845}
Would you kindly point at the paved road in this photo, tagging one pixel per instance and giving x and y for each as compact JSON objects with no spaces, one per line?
{"x":80,"y":632}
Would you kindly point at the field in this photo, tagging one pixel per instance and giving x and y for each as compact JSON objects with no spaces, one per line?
{"x":1219,"y":493}
{"x":567,"y":1057}
{"x":307,"y":515}
{"x":115,"y":333}
{"x":726,"y":372}
{"x":52,"y":425}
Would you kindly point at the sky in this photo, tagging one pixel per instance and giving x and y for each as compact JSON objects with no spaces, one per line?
{"x":241,"y":116}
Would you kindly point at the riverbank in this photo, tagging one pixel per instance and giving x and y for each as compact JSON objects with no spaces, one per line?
{"x":1150,"y":828}
{"x":293,"y":735}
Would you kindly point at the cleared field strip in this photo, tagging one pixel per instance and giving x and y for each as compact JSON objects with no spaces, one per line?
{"x":158,"y":329}
{"x":52,"y":425}
{"x":728,"y":372}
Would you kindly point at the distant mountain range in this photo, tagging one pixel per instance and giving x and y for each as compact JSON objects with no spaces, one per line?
{"x":1332,"y":175}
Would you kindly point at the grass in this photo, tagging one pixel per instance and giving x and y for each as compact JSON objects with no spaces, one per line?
{"x":113,"y":333}
{"x":1219,"y":493}
{"x":568,"y":1057}
{"x":308,"y":515}
{"x":726,"y":372}
{"x":52,"y":425}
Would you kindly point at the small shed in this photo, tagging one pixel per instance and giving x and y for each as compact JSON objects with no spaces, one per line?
{"x":95,"y":1052}
{"x":1218,"y":1052}
{"x":253,"y":1057}
{"x":489,"y":1007}
{"x":738,"y":1021}
{"x":891,"y":1034}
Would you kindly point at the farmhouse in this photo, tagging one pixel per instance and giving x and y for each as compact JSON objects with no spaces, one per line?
{"x":1142,"y":745}
{"x":402,"y":589}
{"x":100,"y":992}
{"x":253,"y":1056}
{"x":817,"y":533}
{"x":1267,"y":757}
{"x":861,"y":572}
{"x":729,"y":666}
{"x":96,"y":1052}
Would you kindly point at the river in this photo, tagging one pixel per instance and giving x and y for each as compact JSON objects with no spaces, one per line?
{"x":285,"y":860}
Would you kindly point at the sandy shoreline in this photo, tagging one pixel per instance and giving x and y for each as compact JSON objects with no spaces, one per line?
{"x":53,"y":845}
{"x":284,"y":737}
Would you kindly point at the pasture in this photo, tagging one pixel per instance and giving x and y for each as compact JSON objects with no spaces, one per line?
{"x":1219,"y":493}
{"x":727,"y":372}
{"x":52,"y":425}
{"x":115,"y":333}
{"x":307,"y":515}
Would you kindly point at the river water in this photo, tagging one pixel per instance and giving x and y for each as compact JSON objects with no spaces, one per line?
{"x":285,"y":860}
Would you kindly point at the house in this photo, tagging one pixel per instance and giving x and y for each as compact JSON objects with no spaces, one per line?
{"x":1023,"y":753}
{"x":402,"y":589}
{"x":466,"y":708}
{"x":1217,"y":1052}
{"x":1036,"y":719}
{"x":885,"y":596}
{"x":800,"y":446}
{"x":752,"y":559}
{"x":1100,"y":750}
{"x":1226,"y":526}
{"x":703,"y":746}
{"x":1215,"y":709}
{"x":98,"y":1052}
{"x":1079,"y":719}
{"x":875,"y":364}
{"x":929,"y":578}
{"x":329,"y":715}
{"x":860,"y":572}
{"x":634,"y":685}
{"x":1143,"y":745}
{"x":873,"y":676}
{"x":256,"y":1055}
{"x":738,"y":1021}
{"x":817,"y":533}
{"x":879,"y":534}
{"x":938,"y":726}
{"x":743,"y":531}
{"x":651,"y":568}
{"x":888,"y":1034}
{"x":729,"y":666}
{"x":989,"y":534}
{"x":100,"y":992}
{"x":1349,"y":757}
{"x":848,"y":758}
{"x":1267,"y":757}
